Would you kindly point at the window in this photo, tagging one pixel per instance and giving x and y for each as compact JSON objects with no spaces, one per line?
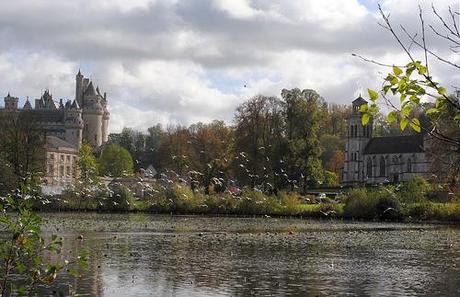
{"x":67,"y":171}
{"x":382,"y":166}
{"x":50,"y":169}
{"x":62,"y":158}
{"x":61,"y":171}
{"x":369,"y":167}
{"x":52,"y":156}
{"x":74,"y":159}
{"x":68,"y":158}
{"x":409,"y":165}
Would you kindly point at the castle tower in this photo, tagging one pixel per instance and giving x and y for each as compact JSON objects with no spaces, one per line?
{"x":79,"y":88}
{"x":73,"y":124}
{"x":105,"y":120}
{"x":11,"y":103}
{"x":92,"y":115}
{"x":358,"y":137}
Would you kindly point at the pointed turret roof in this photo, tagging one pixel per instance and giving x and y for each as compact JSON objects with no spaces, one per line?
{"x":75,"y":105}
{"x":90,"y":90}
{"x":27,"y":105}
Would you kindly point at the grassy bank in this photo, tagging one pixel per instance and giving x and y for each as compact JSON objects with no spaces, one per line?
{"x":372,"y":204}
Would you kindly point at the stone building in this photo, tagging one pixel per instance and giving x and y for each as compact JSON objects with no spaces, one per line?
{"x":371,"y":160}
{"x":65,"y":125}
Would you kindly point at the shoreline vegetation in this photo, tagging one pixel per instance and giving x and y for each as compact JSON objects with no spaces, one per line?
{"x":413,"y":201}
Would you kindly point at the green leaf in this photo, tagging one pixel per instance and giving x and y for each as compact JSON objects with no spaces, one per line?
{"x":406,"y":110}
{"x":397,"y":71}
{"x":432,"y":110}
{"x":386,"y":88}
{"x":363,"y":108}
{"x":392,"y":116}
{"x":373,"y":94}
{"x":442,"y":90}
{"x":365,"y":119}
{"x":403,"y":124}
{"x":415,"y":124}
{"x":421,"y":70}
{"x":457,"y":117}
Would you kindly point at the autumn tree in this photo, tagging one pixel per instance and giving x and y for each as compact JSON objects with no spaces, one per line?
{"x":210,"y":155}
{"x":260,"y":142}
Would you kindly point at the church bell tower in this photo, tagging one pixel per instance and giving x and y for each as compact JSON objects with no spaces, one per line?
{"x":357,"y":138}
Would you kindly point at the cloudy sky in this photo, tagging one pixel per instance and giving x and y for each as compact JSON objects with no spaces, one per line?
{"x":172,"y":61}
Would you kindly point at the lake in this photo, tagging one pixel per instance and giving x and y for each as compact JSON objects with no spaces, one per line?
{"x":157,"y":255}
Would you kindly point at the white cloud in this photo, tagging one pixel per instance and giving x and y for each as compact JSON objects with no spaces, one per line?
{"x":186,"y":61}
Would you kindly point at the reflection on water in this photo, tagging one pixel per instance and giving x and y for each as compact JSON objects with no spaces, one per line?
{"x":144,"y":255}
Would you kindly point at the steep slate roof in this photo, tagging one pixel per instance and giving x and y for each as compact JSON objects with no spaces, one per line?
{"x":47,"y":115}
{"x":359,"y":101}
{"x":90,"y":90}
{"x":395,"y":145}
{"x":57,"y":143}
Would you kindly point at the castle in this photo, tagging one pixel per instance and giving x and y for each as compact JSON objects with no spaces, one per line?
{"x":65,"y":125}
{"x":372,"y":160}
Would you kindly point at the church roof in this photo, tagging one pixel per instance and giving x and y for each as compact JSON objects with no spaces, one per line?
{"x":359,"y":101}
{"x":395,"y":145}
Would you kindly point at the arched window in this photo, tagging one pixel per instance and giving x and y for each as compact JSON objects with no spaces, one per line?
{"x":382,"y":166}
{"x":409,"y":165}
{"x":369,"y":167}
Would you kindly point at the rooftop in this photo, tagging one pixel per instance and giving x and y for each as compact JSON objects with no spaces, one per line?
{"x":395,"y":145}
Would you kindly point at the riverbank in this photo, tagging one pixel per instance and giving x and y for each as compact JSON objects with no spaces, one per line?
{"x":429,"y":212}
{"x":368,"y":204}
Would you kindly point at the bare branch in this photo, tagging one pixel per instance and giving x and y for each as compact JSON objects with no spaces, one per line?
{"x":454,"y":21}
{"x":422,"y":23}
{"x":447,"y":37}
{"x":429,"y":51}
{"x":373,"y":61}
{"x":443,"y":22}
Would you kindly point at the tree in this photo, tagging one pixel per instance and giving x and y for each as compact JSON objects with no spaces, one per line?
{"x":22,"y":145}
{"x":260,"y":142}
{"x":303,"y":109}
{"x":336,"y":163}
{"x":87,"y":164}
{"x":115,"y":161}
{"x":414,"y":82}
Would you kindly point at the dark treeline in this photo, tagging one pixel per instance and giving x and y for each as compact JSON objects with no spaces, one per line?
{"x":294,"y":142}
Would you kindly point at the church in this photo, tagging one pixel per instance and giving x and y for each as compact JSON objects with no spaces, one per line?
{"x":65,"y":125}
{"x":373,"y":160}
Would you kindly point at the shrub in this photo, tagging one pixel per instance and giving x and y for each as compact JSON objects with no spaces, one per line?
{"x":184,"y":200}
{"x":290,"y":202}
{"x":388,"y":206}
{"x":360,"y":205}
{"x":119,"y":199}
{"x":255,"y":202}
{"x":330,"y":179}
{"x":414,"y":190}
{"x":381,"y":203}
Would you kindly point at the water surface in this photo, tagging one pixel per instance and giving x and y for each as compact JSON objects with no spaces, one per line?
{"x":153,"y":255}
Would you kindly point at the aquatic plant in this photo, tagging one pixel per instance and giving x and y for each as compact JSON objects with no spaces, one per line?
{"x":22,"y":266}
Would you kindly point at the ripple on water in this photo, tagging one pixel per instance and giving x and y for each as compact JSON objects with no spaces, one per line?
{"x":144,"y":255}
